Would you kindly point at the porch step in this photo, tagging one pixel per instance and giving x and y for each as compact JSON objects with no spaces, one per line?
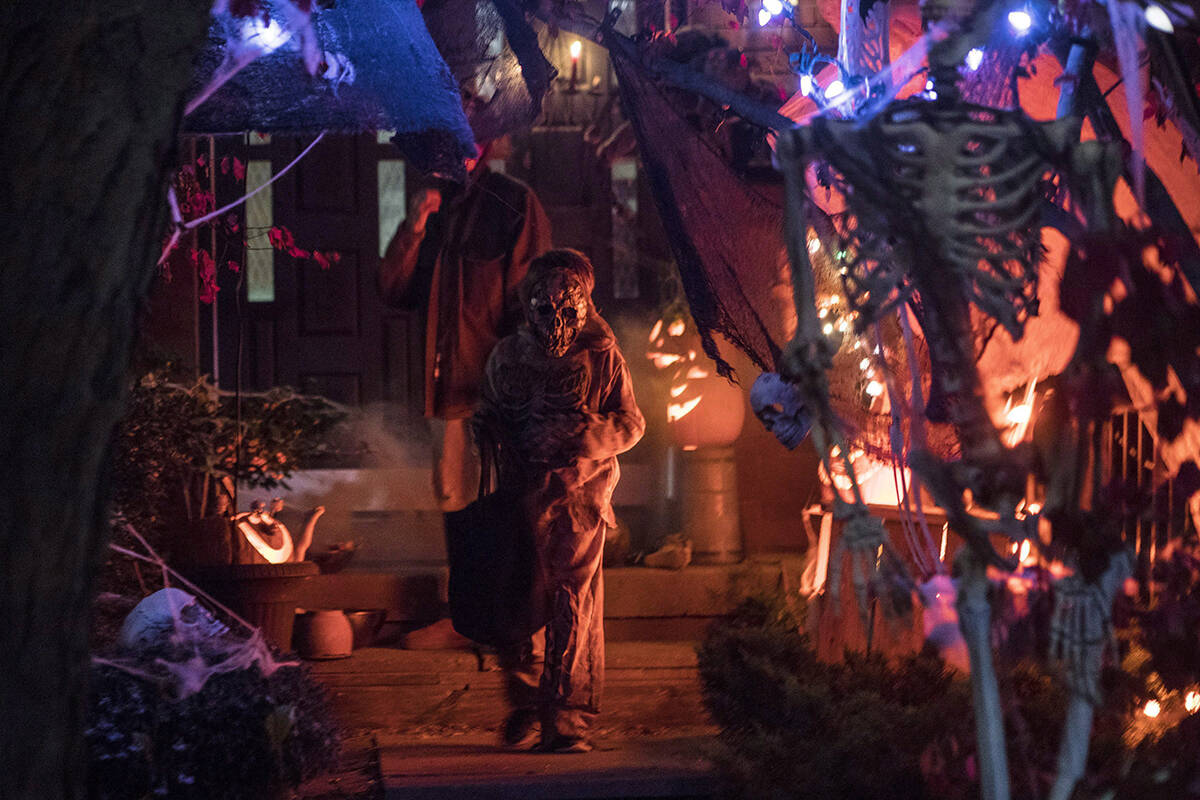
{"x":650,"y":687}
{"x":436,"y":715}
{"x":474,"y":768}
{"x":640,"y":603}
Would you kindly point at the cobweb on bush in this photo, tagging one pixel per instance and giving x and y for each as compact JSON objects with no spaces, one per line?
{"x":184,"y":660}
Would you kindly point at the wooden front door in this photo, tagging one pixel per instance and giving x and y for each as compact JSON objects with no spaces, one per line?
{"x":324,"y":330}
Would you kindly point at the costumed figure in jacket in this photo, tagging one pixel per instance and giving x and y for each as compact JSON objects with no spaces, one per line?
{"x":557,"y":408}
{"x":459,"y":259}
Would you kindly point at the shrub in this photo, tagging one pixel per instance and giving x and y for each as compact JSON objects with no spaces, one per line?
{"x":797,"y":728}
{"x":244,"y":736}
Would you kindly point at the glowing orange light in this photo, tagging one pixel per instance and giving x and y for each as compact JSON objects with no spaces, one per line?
{"x":1018,"y":415}
{"x":678,"y":389}
{"x":696,"y":373}
{"x":255,"y":526}
{"x":1191,"y":702}
{"x":676,"y":328}
{"x":664,"y":360}
{"x":656,"y":330}
{"x":1026,"y":548}
{"x":677,"y":411}
{"x":1152,"y":709}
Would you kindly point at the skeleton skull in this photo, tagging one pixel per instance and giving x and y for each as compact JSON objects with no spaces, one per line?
{"x":557,"y":311}
{"x":778,"y":406}
{"x":168,"y":612}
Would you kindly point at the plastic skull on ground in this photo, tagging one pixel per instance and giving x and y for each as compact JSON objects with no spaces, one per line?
{"x":166,"y":613}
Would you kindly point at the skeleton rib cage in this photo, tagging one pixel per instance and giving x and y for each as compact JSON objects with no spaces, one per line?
{"x":973,"y":223}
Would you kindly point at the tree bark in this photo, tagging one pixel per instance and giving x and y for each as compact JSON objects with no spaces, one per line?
{"x":91,"y":103}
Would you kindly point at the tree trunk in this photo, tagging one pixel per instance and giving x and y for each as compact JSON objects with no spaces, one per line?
{"x":91,"y":101}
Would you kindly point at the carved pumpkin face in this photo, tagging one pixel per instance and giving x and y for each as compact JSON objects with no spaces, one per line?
{"x":672,"y":344}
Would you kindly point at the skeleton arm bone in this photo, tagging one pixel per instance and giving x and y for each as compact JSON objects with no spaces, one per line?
{"x":1083,"y":616}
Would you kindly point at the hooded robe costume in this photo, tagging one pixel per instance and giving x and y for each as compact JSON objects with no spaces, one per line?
{"x":584,"y":401}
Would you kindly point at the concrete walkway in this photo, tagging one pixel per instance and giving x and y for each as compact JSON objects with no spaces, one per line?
{"x":433,"y":719}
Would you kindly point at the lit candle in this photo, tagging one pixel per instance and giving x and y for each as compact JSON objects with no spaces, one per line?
{"x":576,"y":50}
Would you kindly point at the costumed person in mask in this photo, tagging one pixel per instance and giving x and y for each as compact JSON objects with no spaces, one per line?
{"x":557,"y":407}
{"x":458,"y":257}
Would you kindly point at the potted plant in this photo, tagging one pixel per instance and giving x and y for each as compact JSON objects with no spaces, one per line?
{"x":179,"y":454}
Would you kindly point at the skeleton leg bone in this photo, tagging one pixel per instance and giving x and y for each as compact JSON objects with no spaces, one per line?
{"x":975,"y":617}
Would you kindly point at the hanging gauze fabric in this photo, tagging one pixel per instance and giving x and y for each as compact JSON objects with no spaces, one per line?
{"x":725,"y":235}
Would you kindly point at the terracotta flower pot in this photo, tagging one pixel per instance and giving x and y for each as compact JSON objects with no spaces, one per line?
{"x":324,"y":635}
{"x":366,"y":624}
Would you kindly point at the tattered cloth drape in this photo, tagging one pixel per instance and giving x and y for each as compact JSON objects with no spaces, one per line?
{"x":727,"y":240}
{"x":726,"y":237}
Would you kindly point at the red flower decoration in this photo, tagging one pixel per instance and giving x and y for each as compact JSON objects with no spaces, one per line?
{"x":206,"y":268}
{"x":239,"y":169}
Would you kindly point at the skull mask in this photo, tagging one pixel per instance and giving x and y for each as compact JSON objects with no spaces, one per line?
{"x":557,"y":311}
{"x":777,"y":405}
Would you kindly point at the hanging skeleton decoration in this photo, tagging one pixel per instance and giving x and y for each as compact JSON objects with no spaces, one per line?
{"x":958,"y":190}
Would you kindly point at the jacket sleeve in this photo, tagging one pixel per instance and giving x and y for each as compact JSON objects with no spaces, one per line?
{"x":532,"y":240}
{"x":618,"y":424}
{"x":398,"y":267}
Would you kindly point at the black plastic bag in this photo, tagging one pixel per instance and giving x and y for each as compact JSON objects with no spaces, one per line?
{"x":497,"y":591}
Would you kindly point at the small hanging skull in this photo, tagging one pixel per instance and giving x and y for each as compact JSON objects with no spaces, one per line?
{"x":778,"y":405}
{"x":557,"y":311}
{"x":168,"y":613}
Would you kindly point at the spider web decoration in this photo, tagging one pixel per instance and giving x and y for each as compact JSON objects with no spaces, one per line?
{"x":189,"y":656}
{"x":378,"y":70}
